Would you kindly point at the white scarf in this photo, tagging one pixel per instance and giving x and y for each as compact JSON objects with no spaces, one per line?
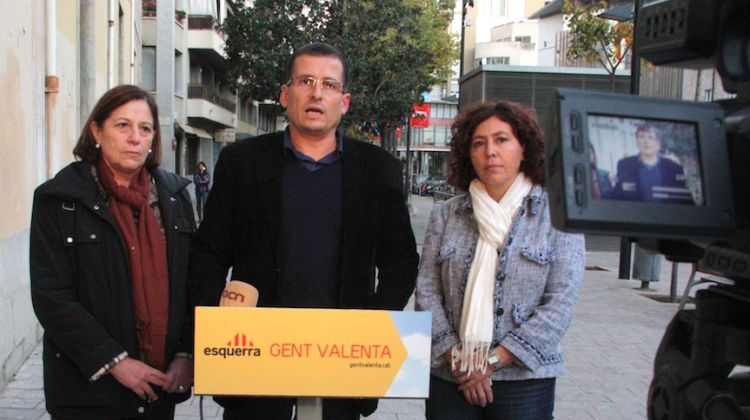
{"x":494,"y":220}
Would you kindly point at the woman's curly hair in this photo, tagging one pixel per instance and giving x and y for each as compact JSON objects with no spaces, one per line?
{"x":523,"y":121}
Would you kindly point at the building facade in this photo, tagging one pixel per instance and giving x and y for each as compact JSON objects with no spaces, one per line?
{"x":512,"y":43}
{"x":58,"y":57}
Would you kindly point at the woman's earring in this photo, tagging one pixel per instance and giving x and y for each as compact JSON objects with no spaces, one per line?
{"x":97,"y":145}
{"x":149,"y":151}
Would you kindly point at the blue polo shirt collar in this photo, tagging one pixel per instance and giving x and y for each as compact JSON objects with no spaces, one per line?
{"x":310,"y":163}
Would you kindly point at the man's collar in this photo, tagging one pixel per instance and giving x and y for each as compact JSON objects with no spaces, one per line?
{"x":307,"y":160}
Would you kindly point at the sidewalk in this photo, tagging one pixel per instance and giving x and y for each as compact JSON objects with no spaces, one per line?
{"x":609,"y":351}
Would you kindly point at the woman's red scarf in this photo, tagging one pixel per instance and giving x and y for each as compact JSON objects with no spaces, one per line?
{"x":148,"y":259}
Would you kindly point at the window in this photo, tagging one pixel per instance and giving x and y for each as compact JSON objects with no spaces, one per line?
{"x":192,"y":155}
{"x":526,"y":39}
{"x":417,"y":135}
{"x":438,"y":111}
{"x":441,"y":136}
{"x":498,"y":60}
{"x":497,"y":8}
{"x":179,"y":84}
{"x":266,"y":118}
{"x":149,"y":68}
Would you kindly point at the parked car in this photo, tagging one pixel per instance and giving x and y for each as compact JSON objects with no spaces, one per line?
{"x":416,"y":182}
{"x":431,"y":185}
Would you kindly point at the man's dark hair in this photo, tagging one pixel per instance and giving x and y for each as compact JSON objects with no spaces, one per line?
{"x":114,"y":98}
{"x":525,"y":127}
{"x":319,"y":49}
{"x":645,"y":128}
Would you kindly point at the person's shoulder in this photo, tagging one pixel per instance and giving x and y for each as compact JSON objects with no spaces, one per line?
{"x":627,"y":165}
{"x":69,"y":182}
{"x":242,"y":152}
{"x":370,"y":150}
{"x":628,"y":160}
{"x":671,"y":165}
{"x":170,"y":180}
{"x":255,"y":144}
{"x":456,"y":204}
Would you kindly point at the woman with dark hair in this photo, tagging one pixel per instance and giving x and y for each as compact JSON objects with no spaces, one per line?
{"x":201,"y":179}
{"x":501,"y":283}
{"x":109,"y":246}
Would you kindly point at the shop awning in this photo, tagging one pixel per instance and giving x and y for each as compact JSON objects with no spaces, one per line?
{"x":195,"y":131}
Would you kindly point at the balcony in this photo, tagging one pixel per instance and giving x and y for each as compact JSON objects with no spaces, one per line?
{"x":205,"y":104}
{"x":179,"y":15}
{"x":148,"y":25}
{"x":205,"y":41}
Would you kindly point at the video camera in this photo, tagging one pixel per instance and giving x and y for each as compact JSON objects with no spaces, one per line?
{"x":676,"y":174}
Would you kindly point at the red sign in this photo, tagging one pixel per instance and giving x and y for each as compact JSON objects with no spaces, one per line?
{"x":420,"y":116}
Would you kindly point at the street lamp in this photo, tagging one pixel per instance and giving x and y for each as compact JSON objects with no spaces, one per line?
{"x":465,"y":4}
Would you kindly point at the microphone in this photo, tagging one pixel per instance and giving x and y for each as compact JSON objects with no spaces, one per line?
{"x":239,"y":294}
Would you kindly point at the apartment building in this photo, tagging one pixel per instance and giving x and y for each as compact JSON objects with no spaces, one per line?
{"x":57,"y":58}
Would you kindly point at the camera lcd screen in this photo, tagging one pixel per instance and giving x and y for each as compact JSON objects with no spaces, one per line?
{"x":643,"y":160}
{"x":638,"y":166}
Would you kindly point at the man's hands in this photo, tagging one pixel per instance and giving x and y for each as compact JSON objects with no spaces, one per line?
{"x":140,"y":377}
{"x":179,"y":375}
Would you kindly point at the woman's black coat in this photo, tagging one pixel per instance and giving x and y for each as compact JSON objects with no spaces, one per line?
{"x":81,"y":290}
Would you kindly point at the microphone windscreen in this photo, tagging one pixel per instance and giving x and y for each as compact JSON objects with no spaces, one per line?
{"x":239,"y":294}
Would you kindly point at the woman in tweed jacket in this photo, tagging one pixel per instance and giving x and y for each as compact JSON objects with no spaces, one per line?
{"x":500,"y":281}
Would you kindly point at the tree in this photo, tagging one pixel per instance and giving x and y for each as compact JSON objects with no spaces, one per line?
{"x":395,"y":49}
{"x":596,"y":39}
{"x":260,"y":39}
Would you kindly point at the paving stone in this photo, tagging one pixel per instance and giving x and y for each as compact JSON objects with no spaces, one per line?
{"x":20,"y":414}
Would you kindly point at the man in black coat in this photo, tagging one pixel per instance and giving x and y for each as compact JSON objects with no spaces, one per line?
{"x":307,"y":216}
{"x":648,"y":177}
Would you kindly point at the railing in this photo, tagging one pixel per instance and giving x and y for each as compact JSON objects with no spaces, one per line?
{"x":198,"y":91}
{"x":149,"y":10}
{"x":201,"y":22}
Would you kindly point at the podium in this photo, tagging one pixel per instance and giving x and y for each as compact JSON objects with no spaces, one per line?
{"x":312,"y":353}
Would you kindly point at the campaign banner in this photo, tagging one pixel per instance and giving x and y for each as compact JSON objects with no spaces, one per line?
{"x":420,"y":116}
{"x":312,"y":352}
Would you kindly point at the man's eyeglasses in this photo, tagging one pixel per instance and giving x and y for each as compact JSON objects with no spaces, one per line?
{"x":309,"y":82}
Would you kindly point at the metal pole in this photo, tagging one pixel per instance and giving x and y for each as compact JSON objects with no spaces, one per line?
{"x":51,"y":89}
{"x":309,"y":408}
{"x":625,"y":257}
{"x":635,"y":77}
{"x":463,"y":30}
{"x":635,"y":59}
{"x":408,"y":159}
{"x":673,"y":284}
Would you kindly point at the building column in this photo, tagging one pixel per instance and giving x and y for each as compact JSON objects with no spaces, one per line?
{"x":87,"y":51}
{"x":165,"y":80}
